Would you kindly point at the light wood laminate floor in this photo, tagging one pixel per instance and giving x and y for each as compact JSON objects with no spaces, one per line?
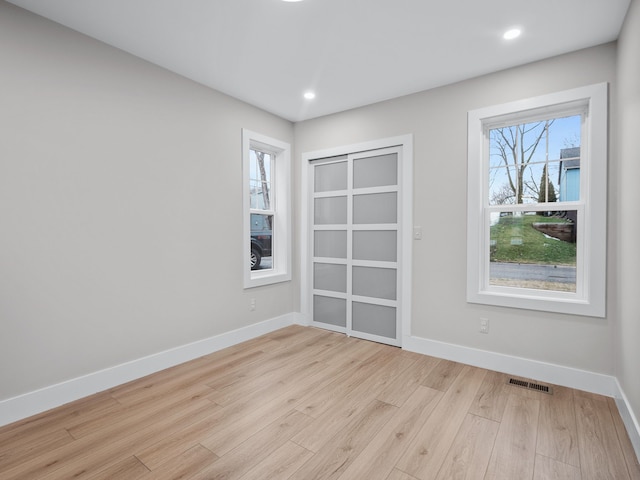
{"x":304,"y":404}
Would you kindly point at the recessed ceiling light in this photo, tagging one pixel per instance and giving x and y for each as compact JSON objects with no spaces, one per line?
{"x":292,"y":1}
{"x":511,"y":34}
{"x":308,"y":95}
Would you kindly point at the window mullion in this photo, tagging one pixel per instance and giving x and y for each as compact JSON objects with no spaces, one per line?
{"x":267,"y":230}
{"x":536,"y":227}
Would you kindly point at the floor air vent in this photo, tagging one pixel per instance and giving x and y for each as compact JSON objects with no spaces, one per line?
{"x":530,"y":385}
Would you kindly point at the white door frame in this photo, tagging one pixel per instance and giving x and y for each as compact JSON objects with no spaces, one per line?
{"x":405,"y":177}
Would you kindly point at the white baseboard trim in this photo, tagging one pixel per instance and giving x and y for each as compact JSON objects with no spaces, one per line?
{"x":31,"y":403}
{"x":629,"y":419}
{"x":533,"y":369}
{"x":521,"y":367}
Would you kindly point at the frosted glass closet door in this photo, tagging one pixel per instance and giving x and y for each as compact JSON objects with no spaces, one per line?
{"x":330,"y":244}
{"x":374,"y":275}
{"x":355,"y":240}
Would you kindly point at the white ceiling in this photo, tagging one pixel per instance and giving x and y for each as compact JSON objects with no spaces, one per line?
{"x":350,"y":52}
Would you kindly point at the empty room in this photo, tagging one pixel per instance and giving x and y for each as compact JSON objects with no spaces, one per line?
{"x":319,"y":239}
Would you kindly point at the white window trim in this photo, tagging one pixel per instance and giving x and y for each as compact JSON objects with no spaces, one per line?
{"x":590,"y":299}
{"x":281,"y":246}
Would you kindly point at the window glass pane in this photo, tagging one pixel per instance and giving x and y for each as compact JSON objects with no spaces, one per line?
{"x":502,"y":186}
{"x":540,"y":183}
{"x":330,"y":243}
{"x":374,"y":319}
{"x":550,"y":191}
{"x":375,"y":245}
{"x":255,"y":200}
{"x":261,"y":241}
{"x":330,"y":210}
{"x":535,"y":250}
{"x":565,"y":132}
{"x":327,"y":276}
{"x":330,"y":177}
{"x":260,"y":165}
{"x":528,"y":163}
{"x":375,"y":208}
{"x":330,"y":310}
{"x":569,"y":174}
{"x":375,"y":171}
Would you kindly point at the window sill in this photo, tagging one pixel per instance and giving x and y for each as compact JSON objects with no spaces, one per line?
{"x":537,"y":301}
{"x":266,"y":277}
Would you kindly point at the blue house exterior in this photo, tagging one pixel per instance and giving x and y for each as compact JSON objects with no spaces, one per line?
{"x":569,"y":180}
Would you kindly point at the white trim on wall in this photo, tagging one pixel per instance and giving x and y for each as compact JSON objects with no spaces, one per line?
{"x":522,"y":367}
{"x":31,"y":403}
{"x":600,"y":384}
{"x":628,"y":418}
{"x":590,"y":297}
{"x":23,"y":406}
{"x":281,"y":209}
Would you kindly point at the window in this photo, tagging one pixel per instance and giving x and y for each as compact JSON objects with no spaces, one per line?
{"x":537,"y":203}
{"x":267,"y":213}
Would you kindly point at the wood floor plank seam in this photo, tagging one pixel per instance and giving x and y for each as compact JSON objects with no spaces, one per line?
{"x":549,"y":467}
{"x":470,"y":452}
{"x":302,"y":403}
{"x":76,"y":454}
{"x":398,"y":474}
{"x":633,"y":463}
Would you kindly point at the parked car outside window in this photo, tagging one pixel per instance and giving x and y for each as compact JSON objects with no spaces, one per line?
{"x":261,"y":235}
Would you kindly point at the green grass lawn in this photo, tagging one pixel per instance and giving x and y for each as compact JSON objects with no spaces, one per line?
{"x":515,"y":240}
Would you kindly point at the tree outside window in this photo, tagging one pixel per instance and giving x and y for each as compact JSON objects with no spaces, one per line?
{"x":533,"y":249}
{"x":536,"y":221}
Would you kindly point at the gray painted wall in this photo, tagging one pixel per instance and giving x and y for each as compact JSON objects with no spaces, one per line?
{"x":628,"y":206}
{"x":120,"y":207}
{"x":438,"y":121}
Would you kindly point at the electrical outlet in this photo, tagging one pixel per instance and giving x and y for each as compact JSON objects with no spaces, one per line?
{"x":252,"y":304}
{"x":484,"y":325}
